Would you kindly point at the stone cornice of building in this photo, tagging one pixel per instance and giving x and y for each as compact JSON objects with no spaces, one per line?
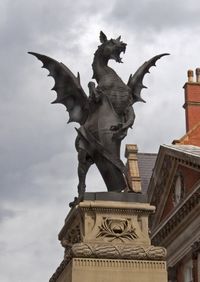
{"x":169,"y":157}
{"x":176,"y":218}
{"x":188,"y":155}
{"x":196,"y":249}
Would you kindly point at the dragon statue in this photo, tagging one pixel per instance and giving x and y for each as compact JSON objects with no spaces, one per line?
{"x":105,"y":115}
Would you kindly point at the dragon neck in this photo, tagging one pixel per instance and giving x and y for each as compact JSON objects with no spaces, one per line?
{"x":99,"y":65}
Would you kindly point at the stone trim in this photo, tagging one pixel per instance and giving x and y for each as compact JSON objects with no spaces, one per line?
{"x":179,"y":245}
{"x":191,"y":103}
{"x":162,"y":187}
{"x":176,"y":218}
{"x":120,"y":211}
{"x":110,"y":205}
{"x":88,"y":250}
{"x":137,"y":265}
{"x":187,"y":163}
{"x":195,"y":249}
{"x":120,"y":264}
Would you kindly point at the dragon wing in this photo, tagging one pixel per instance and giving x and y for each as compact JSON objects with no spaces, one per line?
{"x":135,"y":81}
{"x":68,"y":88}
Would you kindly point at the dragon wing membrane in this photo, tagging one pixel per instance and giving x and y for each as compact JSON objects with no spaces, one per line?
{"x":135,"y":81}
{"x":68,"y":88}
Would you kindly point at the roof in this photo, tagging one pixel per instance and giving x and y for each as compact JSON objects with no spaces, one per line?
{"x":187,"y":152}
{"x":168,"y":155}
{"x":191,"y":137}
{"x":191,"y":149}
{"x":146,"y":162}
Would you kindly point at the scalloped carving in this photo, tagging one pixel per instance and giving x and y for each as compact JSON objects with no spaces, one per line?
{"x":120,"y":229}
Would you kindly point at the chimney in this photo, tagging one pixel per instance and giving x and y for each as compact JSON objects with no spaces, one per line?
{"x":192,"y":99}
{"x":132,"y":167}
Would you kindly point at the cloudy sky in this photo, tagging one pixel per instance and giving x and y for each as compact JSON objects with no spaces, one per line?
{"x":38,"y":160}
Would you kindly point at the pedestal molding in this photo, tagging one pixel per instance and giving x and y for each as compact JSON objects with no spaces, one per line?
{"x":83,"y":250}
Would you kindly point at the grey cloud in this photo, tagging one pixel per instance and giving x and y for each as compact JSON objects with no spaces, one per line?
{"x":27,"y":240}
{"x":29,"y":135}
{"x":5,"y":214}
{"x":154,"y":16}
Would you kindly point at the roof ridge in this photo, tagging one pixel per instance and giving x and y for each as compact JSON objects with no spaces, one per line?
{"x":184,"y":137}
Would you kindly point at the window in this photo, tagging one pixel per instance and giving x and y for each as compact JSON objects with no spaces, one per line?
{"x":178,"y":188}
{"x":188,"y":277}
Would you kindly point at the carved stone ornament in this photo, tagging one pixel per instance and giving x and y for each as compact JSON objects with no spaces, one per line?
{"x":117,"y":252}
{"x":120,"y":229}
{"x":73,"y":236}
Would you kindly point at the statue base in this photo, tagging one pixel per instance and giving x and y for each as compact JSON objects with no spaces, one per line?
{"x":106,"y":238}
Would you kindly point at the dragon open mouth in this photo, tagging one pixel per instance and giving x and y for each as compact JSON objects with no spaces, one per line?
{"x":118,"y":51}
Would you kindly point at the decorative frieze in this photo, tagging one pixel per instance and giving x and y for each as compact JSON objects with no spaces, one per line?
{"x":175,"y":219}
{"x":135,"y":265}
{"x":118,"y":252}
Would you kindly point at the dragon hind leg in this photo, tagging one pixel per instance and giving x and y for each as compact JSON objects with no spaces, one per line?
{"x":83,"y":166}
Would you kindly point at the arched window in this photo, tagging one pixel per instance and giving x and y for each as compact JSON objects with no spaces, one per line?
{"x":178,"y":188}
{"x":188,"y":277}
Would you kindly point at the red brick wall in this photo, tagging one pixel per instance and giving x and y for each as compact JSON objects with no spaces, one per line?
{"x":193,"y":137}
{"x":192,"y":104}
{"x":190,"y":177}
{"x":169,"y":206}
{"x":179,"y":272}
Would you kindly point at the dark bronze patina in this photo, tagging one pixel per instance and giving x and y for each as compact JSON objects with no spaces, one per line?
{"x":105,"y":116}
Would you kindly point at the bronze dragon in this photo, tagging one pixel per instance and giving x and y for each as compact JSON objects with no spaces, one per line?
{"x":105,"y":115}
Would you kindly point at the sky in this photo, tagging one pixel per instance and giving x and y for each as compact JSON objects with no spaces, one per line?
{"x":38,"y":161}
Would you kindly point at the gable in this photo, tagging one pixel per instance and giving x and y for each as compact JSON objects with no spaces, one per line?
{"x":183,"y":183}
{"x":176,"y":172}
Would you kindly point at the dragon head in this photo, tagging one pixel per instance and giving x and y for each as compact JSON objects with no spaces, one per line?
{"x":111,"y":49}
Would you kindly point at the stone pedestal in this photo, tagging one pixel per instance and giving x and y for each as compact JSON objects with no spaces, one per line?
{"x":106,"y":239}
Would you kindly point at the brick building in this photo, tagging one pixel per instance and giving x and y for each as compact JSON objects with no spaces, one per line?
{"x":171,"y":180}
